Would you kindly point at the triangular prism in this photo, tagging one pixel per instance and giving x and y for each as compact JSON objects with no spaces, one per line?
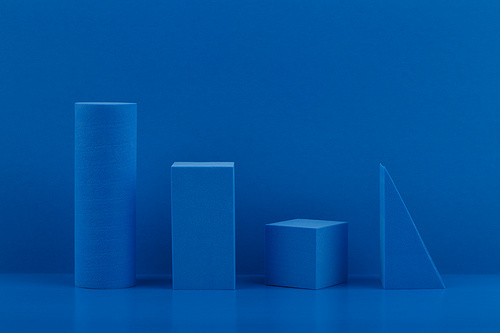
{"x":406,"y":263}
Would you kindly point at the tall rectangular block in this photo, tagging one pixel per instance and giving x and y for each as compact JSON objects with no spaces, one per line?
{"x":203,"y":243}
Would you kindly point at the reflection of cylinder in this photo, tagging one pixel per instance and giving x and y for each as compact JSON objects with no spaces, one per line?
{"x":105,"y":187}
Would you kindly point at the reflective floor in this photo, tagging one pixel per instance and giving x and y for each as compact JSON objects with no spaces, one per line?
{"x":43,"y":302}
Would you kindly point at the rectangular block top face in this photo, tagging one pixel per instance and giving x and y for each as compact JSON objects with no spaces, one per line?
{"x":203,"y":165}
{"x":304,"y":223}
{"x":104,"y":103}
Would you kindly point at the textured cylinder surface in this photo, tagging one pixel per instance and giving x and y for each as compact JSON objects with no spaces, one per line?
{"x":105,"y":189}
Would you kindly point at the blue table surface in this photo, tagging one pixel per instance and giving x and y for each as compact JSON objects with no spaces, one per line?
{"x":47,"y":302}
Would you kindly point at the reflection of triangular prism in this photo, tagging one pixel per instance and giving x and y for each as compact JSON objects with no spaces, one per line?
{"x":406,"y":263}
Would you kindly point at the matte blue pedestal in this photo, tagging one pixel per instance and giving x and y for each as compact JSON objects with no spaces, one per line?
{"x":203,"y":243}
{"x":105,"y":194}
{"x":405,"y":261}
{"x":308,"y":254}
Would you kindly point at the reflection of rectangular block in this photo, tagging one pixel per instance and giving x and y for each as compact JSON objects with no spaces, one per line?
{"x":203,"y":254}
{"x":308,"y":254}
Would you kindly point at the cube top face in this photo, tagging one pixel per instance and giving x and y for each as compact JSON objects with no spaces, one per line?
{"x":304,"y":223}
{"x":203,"y":165}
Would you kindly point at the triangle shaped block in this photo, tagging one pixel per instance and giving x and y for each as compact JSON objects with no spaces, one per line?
{"x":406,"y":263}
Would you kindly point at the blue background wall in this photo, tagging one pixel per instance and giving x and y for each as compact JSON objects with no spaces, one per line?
{"x":307,"y":97}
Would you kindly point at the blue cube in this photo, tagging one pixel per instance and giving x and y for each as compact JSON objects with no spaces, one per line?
{"x":309,"y":254}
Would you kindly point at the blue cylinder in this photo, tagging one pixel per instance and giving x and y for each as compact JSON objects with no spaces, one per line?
{"x":105,"y":192}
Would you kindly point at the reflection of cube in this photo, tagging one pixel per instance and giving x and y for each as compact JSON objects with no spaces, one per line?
{"x":308,"y":254}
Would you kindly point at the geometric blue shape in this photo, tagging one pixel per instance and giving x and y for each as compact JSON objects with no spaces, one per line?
{"x":203,"y":241}
{"x":105,"y":194}
{"x":405,"y":261}
{"x":309,"y":254}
